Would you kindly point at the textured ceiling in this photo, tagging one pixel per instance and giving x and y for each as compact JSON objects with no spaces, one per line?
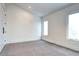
{"x":42,"y":9}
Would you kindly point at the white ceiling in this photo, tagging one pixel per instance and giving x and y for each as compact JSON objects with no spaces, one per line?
{"x":42,"y":9}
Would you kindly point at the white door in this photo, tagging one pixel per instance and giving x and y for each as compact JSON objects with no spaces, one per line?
{"x":2,"y":26}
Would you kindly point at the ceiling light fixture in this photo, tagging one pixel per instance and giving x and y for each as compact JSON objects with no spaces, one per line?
{"x":29,"y":7}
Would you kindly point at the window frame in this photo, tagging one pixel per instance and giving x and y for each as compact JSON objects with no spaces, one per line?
{"x":45,"y":28}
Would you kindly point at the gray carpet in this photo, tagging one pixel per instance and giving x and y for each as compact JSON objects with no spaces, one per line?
{"x":36,"y":48}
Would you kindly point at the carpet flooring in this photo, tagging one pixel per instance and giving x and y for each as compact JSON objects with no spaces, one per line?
{"x":36,"y":48}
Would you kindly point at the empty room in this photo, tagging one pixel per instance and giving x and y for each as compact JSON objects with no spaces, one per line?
{"x":39,"y":29}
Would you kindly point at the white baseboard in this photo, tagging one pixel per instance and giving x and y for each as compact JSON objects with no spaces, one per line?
{"x":21,"y":41}
{"x":61,"y":45}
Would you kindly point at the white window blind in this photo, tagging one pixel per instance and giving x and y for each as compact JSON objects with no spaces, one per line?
{"x":45,"y":28}
{"x":73,"y":27}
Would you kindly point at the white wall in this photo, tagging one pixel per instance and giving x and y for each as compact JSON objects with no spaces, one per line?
{"x":22,"y":26}
{"x":58,"y":25}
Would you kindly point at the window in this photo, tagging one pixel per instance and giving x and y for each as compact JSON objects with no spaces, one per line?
{"x":73,"y":27}
{"x":45,"y":32}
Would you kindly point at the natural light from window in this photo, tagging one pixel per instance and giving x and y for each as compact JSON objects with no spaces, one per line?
{"x":45,"y":28}
{"x":73,"y":27}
